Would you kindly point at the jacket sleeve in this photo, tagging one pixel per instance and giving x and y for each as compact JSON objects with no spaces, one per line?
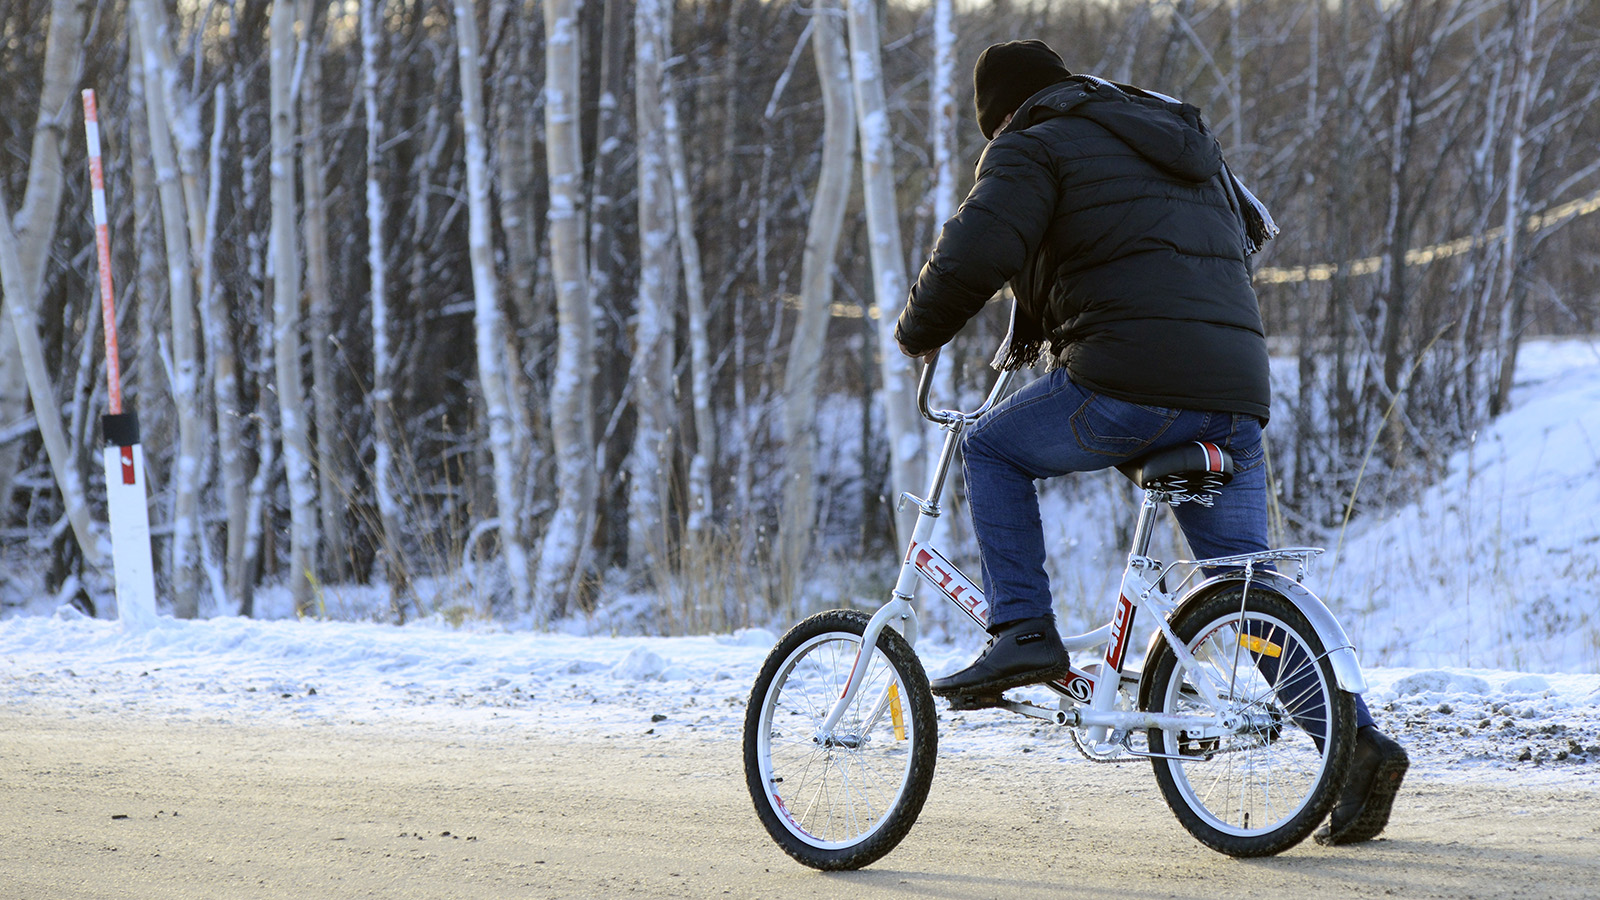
{"x":994,"y":233}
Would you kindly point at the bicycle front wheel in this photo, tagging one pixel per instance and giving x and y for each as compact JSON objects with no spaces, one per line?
{"x":841,"y":800}
{"x":1260,"y":787}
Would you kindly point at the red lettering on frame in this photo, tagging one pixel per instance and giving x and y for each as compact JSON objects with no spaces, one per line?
{"x":967,"y":602}
{"x":1120,"y":623}
{"x":952,"y":583}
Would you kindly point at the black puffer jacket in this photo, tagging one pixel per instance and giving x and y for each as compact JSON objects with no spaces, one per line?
{"x":1114,"y":220}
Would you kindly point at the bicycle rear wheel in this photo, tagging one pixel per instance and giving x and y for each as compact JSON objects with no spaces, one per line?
{"x":1263,"y":787}
{"x":843,"y":801}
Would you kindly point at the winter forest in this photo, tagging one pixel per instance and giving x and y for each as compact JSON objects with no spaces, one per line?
{"x":553,"y":299}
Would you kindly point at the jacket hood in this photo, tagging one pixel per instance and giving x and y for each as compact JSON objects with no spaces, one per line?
{"x":1169,"y":134}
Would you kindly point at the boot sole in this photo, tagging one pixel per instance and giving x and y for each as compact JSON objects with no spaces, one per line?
{"x":1374,"y":814}
{"x":991,"y":690}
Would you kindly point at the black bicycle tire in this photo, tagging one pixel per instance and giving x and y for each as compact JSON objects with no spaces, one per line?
{"x":919,"y":773}
{"x":1324,"y":794}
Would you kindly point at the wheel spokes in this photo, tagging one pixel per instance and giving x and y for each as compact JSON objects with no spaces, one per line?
{"x":846,"y":786}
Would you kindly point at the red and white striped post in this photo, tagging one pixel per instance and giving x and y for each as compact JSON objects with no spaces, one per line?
{"x":124,"y":458}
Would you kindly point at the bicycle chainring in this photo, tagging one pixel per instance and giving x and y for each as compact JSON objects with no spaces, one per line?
{"x":1118,"y":739}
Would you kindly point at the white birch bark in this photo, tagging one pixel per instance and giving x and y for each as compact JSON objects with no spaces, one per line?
{"x":259,"y":429}
{"x":514,"y":175}
{"x":798,"y":517}
{"x":888,"y":257}
{"x":24,"y":250}
{"x":1508,"y":334}
{"x":261,"y":482}
{"x":384,"y":485}
{"x":518,"y":179}
{"x":333,"y":493}
{"x":650,"y":372}
{"x":182,"y":113}
{"x":286,"y":313}
{"x":704,"y":449}
{"x":506,"y":445}
{"x":13,"y":282}
{"x":148,"y":386}
{"x":224,"y":361}
{"x":14,"y":419}
{"x":568,"y":533}
{"x":943,"y":122}
{"x":942,"y":102}
{"x":188,"y":577}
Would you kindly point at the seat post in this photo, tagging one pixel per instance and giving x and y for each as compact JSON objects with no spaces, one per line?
{"x":1146,"y":526}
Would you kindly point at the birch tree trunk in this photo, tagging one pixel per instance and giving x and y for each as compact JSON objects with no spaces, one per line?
{"x":650,"y":461}
{"x":704,"y":453}
{"x":182,"y":114}
{"x":224,"y":361}
{"x":14,"y":419}
{"x":942,"y":102}
{"x":798,"y":517}
{"x":506,"y":445}
{"x":149,"y":384}
{"x":260,"y":429}
{"x":256,"y":511}
{"x":384,"y":487}
{"x":571,"y":412}
{"x":515,"y":177}
{"x":1525,"y":27}
{"x":187,"y":575}
{"x":24,"y":250}
{"x":333,"y":494}
{"x":21,"y":308}
{"x":613,"y":272}
{"x":888,"y":260}
{"x":286,"y":315}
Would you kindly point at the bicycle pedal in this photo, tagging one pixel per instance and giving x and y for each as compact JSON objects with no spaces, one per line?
{"x":970,"y":702}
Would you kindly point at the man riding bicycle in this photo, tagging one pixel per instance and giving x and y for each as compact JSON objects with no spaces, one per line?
{"x":1112,"y":215}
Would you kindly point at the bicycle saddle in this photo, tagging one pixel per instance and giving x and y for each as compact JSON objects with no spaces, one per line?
{"x":1195,"y":468}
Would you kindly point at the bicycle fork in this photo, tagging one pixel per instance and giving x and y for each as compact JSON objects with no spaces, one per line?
{"x":899,"y":606}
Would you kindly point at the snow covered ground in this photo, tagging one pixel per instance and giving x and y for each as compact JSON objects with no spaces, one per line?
{"x":1476,"y":610}
{"x":1458,"y":722}
{"x":1498,"y":563}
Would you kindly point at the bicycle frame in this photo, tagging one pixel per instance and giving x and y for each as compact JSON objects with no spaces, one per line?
{"x":1089,"y":696}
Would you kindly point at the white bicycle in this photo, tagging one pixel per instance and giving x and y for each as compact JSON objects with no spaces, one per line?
{"x":1244,"y":706}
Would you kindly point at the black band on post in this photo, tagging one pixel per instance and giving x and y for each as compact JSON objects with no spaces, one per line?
{"x":121,"y":430}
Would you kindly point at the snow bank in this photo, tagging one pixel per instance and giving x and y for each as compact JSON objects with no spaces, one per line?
{"x":1498,"y":564}
{"x":242,"y":672}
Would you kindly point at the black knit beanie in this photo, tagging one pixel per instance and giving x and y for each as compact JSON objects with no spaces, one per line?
{"x":1009,"y":73}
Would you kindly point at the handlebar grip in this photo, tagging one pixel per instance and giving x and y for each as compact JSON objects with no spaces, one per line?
{"x":925,"y":385}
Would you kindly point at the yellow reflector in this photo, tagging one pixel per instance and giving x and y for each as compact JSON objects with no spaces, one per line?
{"x":895,"y":713}
{"x":1260,"y":645}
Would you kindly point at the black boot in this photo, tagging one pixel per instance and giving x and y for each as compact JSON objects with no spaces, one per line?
{"x":1375,"y":774}
{"x":1026,"y":651}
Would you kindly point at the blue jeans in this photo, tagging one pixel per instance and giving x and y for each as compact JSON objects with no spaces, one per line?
{"x":1054,"y":426}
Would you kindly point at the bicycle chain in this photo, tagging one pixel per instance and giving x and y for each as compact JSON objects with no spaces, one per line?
{"x":1124,"y":751}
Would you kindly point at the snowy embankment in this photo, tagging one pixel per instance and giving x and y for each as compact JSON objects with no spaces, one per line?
{"x":1458,"y":722}
{"x":1498,"y":563}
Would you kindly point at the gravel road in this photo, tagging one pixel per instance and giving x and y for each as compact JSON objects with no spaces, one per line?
{"x":106,"y":805}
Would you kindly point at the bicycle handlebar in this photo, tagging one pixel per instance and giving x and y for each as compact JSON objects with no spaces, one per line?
{"x":952,"y":416}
